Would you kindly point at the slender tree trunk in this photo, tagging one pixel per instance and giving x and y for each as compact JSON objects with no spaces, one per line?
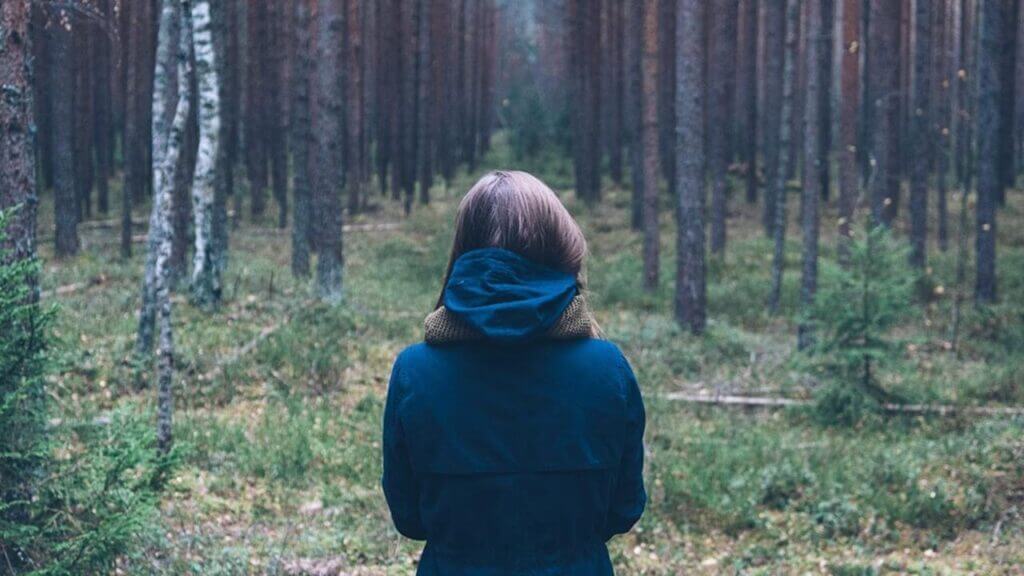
{"x":826,"y":62}
{"x":849,"y":106}
{"x":721,"y":83}
{"x":745,"y":139}
{"x":163,"y":207}
{"x":817,"y":50}
{"x":884,"y":76}
{"x":649,"y":139}
{"x":691,"y":285}
{"x":354,"y":101}
{"x":991,"y":81}
{"x":206,"y":282}
{"x":327,"y":173}
{"x":667,"y":53}
{"x":103,"y":125}
{"x":18,"y":199}
{"x":82,"y":72}
{"x":774,"y":52}
{"x":256,"y":109}
{"x":785,"y":125}
{"x":425,"y":101}
{"x":301,"y":139}
{"x":921,"y":134}
{"x":138,"y":100}
{"x":616,"y":94}
{"x":277,"y":120}
{"x":61,"y":89}
{"x":942,"y":81}
{"x":1007,"y":97}
{"x":634,"y":78}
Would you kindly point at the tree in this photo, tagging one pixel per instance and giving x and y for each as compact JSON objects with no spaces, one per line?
{"x":849,"y":104}
{"x":257,"y":76}
{"x":884,"y":79}
{"x":424,"y":100}
{"x":780,"y":172}
{"x":327,"y":174}
{"x":691,"y":285}
{"x":585,"y":22}
{"x":649,"y":140}
{"x":206,"y":282}
{"x":721,"y":84}
{"x":921,"y":133}
{"x":18,"y":198}
{"x":817,"y":49}
{"x":634,"y":79}
{"x":745,"y":137}
{"x":774,"y":55}
{"x":61,"y":91}
{"x":301,"y":136}
{"x":103,"y":127}
{"x":138,"y":115}
{"x":991,"y":82}
{"x":939,"y":126}
{"x":354,"y":114}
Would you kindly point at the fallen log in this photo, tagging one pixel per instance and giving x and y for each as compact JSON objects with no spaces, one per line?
{"x":769,"y":402}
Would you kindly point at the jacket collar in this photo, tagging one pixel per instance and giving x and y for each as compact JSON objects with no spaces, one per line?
{"x":442,"y":326}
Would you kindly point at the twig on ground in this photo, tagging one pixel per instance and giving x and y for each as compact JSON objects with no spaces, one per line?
{"x":768,"y":402}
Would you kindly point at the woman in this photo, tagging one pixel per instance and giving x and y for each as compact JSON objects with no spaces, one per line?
{"x":513,"y":436}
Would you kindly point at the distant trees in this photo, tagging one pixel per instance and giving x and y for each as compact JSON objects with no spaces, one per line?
{"x":649,"y":142}
{"x":62,"y":135}
{"x":992,"y":81}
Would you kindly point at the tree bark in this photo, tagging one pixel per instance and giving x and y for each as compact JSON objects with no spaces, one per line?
{"x":721,"y":84}
{"x":301,"y":139}
{"x":667,"y":53}
{"x":82,"y":72}
{"x":774,"y":56}
{"x":103,"y":125}
{"x":921,"y":134}
{"x":849,"y":113}
{"x":884,"y":77}
{"x":817,"y":50}
{"x":649,"y":139}
{"x":327,"y":170}
{"x":18,"y":199}
{"x":61,"y":91}
{"x":785,"y":126}
{"x":634,"y":92}
{"x":745,"y":138}
{"x":991,"y":81}
{"x":354,"y":101}
{"x":691,"y":285}
{"x":206,"y":281}
{"x":256,"y":109}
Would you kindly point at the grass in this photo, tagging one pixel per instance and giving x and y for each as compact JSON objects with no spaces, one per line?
{"x":280,"y":447}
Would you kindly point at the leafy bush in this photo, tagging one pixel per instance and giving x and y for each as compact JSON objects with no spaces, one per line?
{"x":856,"y":310}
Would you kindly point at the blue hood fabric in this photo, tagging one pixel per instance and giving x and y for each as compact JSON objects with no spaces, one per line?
{"x":513,"y":460}
{"x":505,"y":296}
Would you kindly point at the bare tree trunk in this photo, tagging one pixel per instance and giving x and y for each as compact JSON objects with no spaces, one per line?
{"x":330,"y":138}
{"x":691,"y":285}
{"x":256,"y":109}
{"x":884,"y":77}
{"x":301,"y":139}
{"x":921,"y":134}
{"x":785,"y":125}
{"x":138,"y":100}
{"x":277,"y":121}
{"x":82,"y":72}
{"x":18,"y":198}
{"x":943,"y":81}
{"x":616,"y":25}
{"x":774,"y":56}
{"x":649,"y":139}
{"x":817,"y":49}
{"x":721,"y":83}
{"x":634,"y":79}
{"x":849,"y":105}
{"x":354,"y":101}
{"x":667,"y":54}
{"x":745,"y":139}
{"x":61,"y":89}
{"x":206,"y":282}
{"x":168,"y":157}
{"x":103,"y":128}
{"x":991,"y":82}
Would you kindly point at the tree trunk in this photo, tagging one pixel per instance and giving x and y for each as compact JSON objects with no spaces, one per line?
{"x":634,"y":79}
{"x":301,"y":139}
{"x":354,"y":101}
{"x":425,"y":101}
{"x":83,"y":114}
{"x":942,"y":81}
{"x":824,"y":174}
{"x":327,"y":173}
{"x":166,"y":161}
{"x":206,"y":282}
{"x":277,"y":118}
{"x":61,"y":89}
{"x":785,"y":125}
{"x":137,"y":117}
{"x":921,"y":134}
{"x":721,"y":83}
{"x":103,"y":127}
{"x":691,"y":286}
{"x":256,"y":109}
{"x":817,"y":50}
{"x":667,"y":54}
{"x":991,"y":81}
{"x":774,"y":51}
{"x":616,"y":94}
{"x":849,"y":105}
{"x":884,"y":78}
{"x":745,"y":138}
{"x":18,"y":198}
{"x":649,"y":139}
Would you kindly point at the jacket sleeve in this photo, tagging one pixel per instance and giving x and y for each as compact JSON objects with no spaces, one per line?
{"x":401,"y":488}
{"x":629,"y":497}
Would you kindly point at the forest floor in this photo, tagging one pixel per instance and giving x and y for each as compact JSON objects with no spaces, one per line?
{"x":279,"y":444}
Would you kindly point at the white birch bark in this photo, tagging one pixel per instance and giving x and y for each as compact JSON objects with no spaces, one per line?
{"x":163,"y":210}
{"x":205,"y":274}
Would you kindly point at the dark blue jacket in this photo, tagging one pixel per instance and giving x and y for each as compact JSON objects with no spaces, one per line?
{"x":513,"y":453}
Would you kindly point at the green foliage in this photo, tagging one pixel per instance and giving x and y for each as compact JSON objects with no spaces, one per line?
{"x":857,"y":307}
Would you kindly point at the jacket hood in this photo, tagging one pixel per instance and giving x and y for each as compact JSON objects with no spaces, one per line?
{"x":505,"y":296}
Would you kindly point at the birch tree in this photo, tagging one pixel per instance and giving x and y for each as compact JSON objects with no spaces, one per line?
{"x":206,"y":287}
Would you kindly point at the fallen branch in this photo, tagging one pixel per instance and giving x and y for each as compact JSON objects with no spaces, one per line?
{"x":72,"y":288}
{"x":246,"y":348}
{"x":768,"y":402}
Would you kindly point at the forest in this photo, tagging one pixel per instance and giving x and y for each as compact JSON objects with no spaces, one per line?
{"x":220,"y":221}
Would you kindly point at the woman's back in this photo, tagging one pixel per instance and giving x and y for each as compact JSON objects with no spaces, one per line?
{"x":513,"y":437}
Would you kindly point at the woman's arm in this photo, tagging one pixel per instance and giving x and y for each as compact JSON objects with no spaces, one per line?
{"x":400,"y":486}
{"x":629,"y":496}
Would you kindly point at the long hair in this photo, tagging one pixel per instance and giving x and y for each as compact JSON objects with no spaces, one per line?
{"x":516,"y":211}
